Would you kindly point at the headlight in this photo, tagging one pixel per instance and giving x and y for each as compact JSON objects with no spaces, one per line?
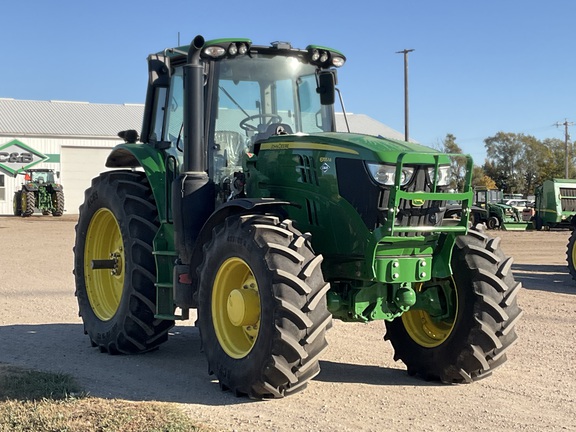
{"x":443,"y":175}
{"x":385,"y":174}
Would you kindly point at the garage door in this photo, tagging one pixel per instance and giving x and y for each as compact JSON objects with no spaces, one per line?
{"x":79,"y":166}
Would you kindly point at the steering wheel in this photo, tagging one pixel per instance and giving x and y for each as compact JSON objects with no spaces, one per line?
{"x":272,"y":118}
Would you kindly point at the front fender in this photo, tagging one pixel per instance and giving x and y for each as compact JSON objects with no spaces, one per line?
{"x":233,"y":207}
{"x":152,"y":162}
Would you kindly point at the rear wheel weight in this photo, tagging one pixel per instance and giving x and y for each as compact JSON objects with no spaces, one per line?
{"x":262,"y":309}
{"x":117,"y":223}
{"x":485,"y":314}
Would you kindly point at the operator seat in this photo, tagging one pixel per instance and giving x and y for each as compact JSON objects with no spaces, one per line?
{"x":233,"y":144}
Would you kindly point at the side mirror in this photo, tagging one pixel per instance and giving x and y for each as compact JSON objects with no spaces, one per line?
{"x":326,"y":86}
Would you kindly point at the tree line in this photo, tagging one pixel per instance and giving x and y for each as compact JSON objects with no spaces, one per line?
{"x":515,"y":163}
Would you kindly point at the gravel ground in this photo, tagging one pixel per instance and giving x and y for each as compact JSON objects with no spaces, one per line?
{"x":360,"y":387}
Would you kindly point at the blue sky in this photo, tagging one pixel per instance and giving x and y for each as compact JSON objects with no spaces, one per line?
{"x":478,"y":67}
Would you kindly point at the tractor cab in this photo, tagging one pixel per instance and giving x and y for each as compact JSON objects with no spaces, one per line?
{"x":247,"y":95}
{"x":40,"y":176}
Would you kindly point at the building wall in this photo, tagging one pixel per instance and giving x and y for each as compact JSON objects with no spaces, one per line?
{"x":52,"y":147}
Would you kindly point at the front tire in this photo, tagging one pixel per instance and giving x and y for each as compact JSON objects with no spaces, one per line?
{"x":492,"y":222}
{"x":117,"y":224}
{"x":473,"y":342}
{"x":262,"y":307}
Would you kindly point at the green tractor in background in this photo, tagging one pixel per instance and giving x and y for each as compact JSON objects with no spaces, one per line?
{"x":39,"y":191}
{"x":244,"y":203}
{"x":491,"y":209}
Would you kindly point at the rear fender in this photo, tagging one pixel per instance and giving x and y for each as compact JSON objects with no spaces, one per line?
{"x":30,"y":187}
{"x":152,"y":162}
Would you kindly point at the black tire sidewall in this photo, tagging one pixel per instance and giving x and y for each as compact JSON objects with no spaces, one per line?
{"x":105,"y":193}
{"x":234,"y":372}
{"x":98,"y":197}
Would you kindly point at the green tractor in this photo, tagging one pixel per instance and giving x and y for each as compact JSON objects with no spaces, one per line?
{"x":491,"y":209}
{"x":39,"y":191}
{"x":244,"y":203}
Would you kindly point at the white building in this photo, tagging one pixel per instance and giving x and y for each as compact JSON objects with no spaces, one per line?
{"x":74,"y":139}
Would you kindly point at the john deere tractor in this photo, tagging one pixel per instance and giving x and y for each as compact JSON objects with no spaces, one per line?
{"x":239,"y":199}
{"x":39,"y":191}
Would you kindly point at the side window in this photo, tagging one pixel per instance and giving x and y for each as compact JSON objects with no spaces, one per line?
{"x":175,"y":114}
{"x":310,"y":105}
{"x":2,"y":188}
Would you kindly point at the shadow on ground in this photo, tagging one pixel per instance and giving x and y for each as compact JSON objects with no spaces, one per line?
{"x":176,"y":372}
{"x":545,"y":277}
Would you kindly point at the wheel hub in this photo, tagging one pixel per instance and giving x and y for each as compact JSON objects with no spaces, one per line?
{"x":243,"y":307}
{"x":236,"y":307}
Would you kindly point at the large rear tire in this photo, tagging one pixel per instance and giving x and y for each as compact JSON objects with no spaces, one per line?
{"x":17,"y":203}
{"x":27,"y":203}
{"x":481,"y":299}
{"x":57,"y":203}
{"x":117,"y":224}
{"x":262,"y":307}
{"x":571,"y":254}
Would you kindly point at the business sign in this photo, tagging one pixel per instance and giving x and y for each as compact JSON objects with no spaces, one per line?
{"x":16,"y":156}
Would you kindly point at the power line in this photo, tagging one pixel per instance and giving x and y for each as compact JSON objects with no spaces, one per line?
{"x":566,"y":138}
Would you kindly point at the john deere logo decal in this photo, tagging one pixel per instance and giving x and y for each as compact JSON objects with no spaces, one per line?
{"x":418,"y":202}
{"x":16,"y":156}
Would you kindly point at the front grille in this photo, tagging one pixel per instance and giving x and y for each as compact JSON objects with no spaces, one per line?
{"x":371,"y":200}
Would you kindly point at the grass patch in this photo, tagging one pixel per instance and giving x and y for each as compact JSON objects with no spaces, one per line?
{"x":40,"y":401}
{"x":34,"y":385}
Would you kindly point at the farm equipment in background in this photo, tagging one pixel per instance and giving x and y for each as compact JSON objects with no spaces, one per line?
{"x":490,"y":208}
{"x":555,"y":204}
{"x":39,"y":191}
{"x":555,"y":208}
{"x":243,"y":202}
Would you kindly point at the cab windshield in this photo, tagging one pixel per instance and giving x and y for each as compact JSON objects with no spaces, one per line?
{"x":42,"y":177}
{"x":257,"y":94}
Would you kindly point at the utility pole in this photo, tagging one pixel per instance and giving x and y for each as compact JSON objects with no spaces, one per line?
{"x":406,"y":111}
{"x":566,"y":138}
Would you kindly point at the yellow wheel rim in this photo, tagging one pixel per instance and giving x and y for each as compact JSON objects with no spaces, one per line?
{"x":236,"y":307}
{"x":573,"y":255}
{"x":24,"y":202}
{"x":104,"y":242}
{"x":425,"y":330}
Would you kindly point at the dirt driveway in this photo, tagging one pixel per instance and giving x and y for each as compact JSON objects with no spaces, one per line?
{"x":360,"y":387}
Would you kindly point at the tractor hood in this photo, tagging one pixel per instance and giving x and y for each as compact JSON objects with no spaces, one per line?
{"x":352,"y":145}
